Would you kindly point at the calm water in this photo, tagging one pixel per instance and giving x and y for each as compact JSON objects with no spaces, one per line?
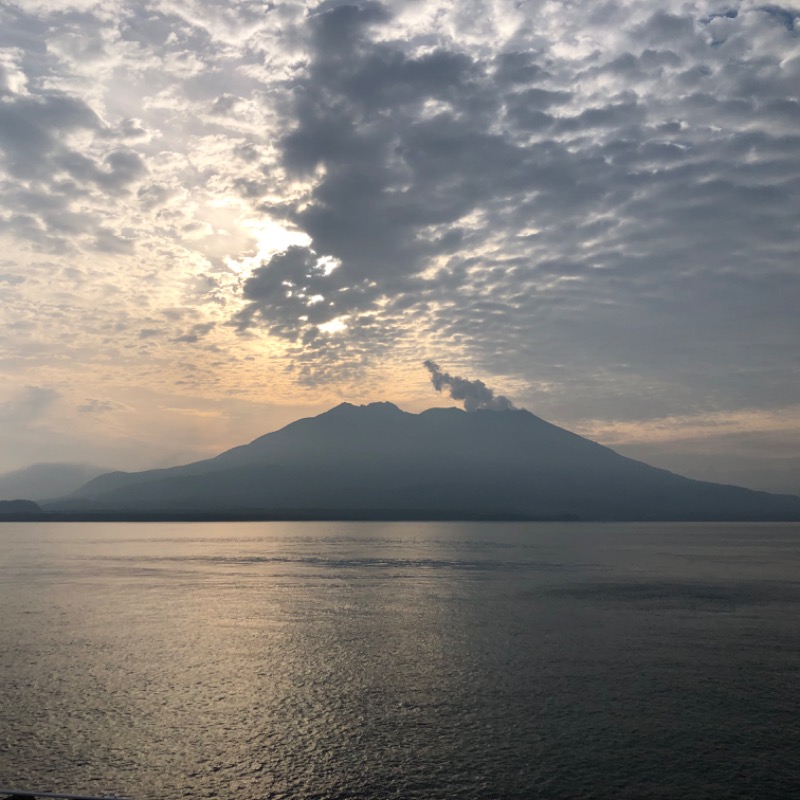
{"x":342,"y":660}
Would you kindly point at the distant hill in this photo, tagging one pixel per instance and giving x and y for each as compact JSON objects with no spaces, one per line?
{"x":377,"y":460}
{"x":46,"y":481}
{"x":18,"y":508}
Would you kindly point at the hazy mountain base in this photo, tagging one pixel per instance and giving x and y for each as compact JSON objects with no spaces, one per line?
{"x":19,"y":509}
{"x":279,"y":515}
{"x":379,"y":462}
{"x":43,"y":482}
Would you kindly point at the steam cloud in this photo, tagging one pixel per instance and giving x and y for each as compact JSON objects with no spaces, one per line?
{"x":475,"y":394}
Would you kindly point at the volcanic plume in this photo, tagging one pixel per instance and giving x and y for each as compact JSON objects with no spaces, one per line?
{"x":475,"y":394}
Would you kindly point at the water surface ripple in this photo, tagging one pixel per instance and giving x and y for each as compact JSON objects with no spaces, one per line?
{"x":401,"y":660}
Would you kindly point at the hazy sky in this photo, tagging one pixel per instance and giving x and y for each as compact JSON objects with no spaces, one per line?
{"x":217,"y":216}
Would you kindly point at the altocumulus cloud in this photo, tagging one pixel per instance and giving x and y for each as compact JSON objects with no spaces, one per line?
{"x":612,"y":188}
{"x":599,"y":201}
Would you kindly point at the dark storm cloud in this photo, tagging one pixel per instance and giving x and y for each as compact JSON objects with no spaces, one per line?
{"x":475,"y":394}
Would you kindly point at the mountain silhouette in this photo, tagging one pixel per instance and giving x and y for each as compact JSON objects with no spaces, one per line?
{"x":19,"y":509}
{"x":377,"y":460}
{"x":43,"y":482}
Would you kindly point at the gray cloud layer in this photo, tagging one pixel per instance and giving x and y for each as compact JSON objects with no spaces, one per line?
{"x":627,"y":209}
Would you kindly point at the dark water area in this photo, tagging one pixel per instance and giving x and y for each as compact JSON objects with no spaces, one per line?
{"x":401,"y":660}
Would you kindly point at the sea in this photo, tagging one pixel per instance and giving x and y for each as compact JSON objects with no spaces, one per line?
{"x":368,"y":660}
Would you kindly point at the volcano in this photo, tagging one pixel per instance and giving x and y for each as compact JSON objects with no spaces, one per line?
{"x":378,"y":462}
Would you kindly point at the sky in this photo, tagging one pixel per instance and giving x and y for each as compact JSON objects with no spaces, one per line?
{"x":217,"y":217}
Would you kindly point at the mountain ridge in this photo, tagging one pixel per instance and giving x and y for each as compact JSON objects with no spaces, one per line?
{"x":46,"y":480}
{"x":480,"y":463}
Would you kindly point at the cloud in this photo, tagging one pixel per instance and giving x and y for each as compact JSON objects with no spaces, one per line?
{"x":196,"y":333}
{"x":466,"y":193}
{"x":288,"y":294}
{"x":95,"y":406}
{"x":598,"y":199}
{"x":28,"y":405}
